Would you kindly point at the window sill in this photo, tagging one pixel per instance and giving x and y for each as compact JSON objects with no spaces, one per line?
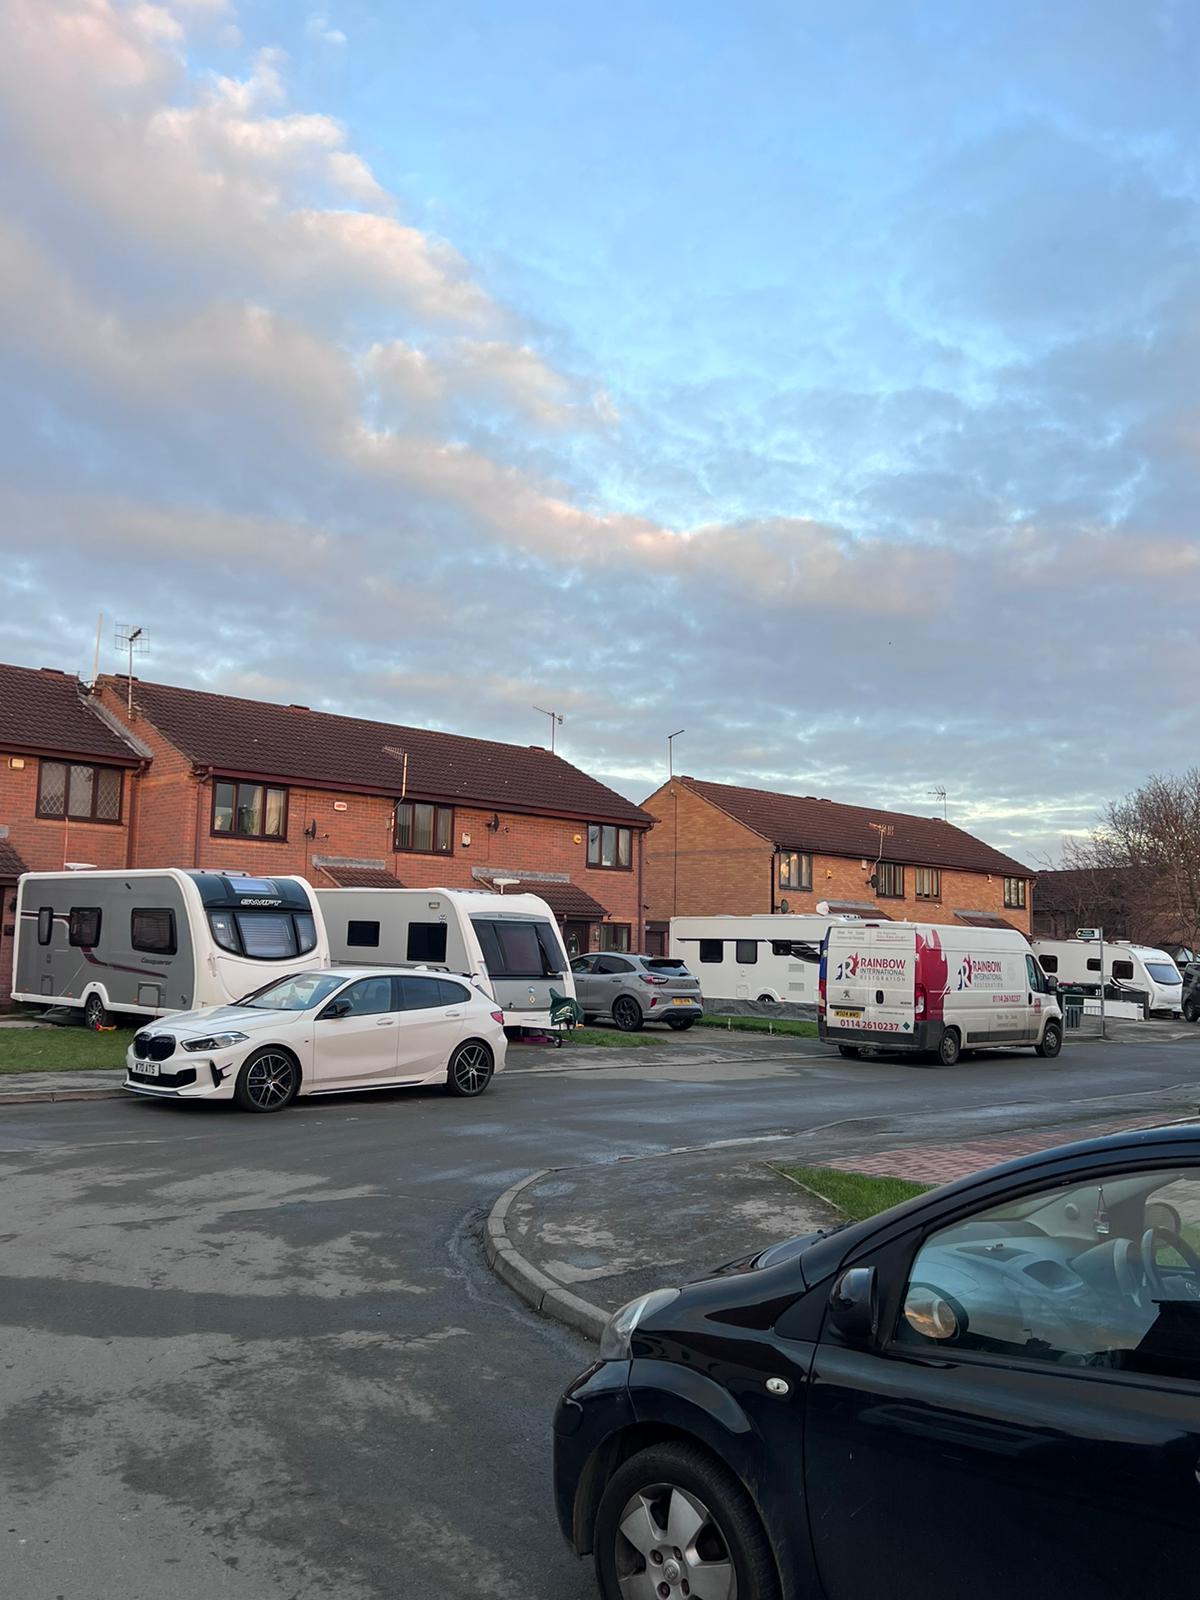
{"x":82,"y":822}
{"x":248,"y":838}
{"x":439,"y":855}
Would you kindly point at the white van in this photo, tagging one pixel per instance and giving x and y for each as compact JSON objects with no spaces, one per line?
{"x":918,"y":987}
{"x":763,"y":957}
{"x":1133,"y":966}
{"x":509,"y":944}
{"x":152,"y":942}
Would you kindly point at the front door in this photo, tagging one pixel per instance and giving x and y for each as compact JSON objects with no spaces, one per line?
{"x":1029,"y":1420}
{"x":357,"y":1046}
{"x":576,"y":937}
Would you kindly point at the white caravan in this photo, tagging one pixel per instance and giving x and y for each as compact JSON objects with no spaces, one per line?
{"x":153,"y":942}
{"x":763,"y":957}
{"x":509,"y":944}
{"x":920,"y":987}
{"x":1133,"y":966}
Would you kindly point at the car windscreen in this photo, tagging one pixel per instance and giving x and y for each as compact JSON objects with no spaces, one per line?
{"x":300,"y":992}
{"x":1163,"y":972}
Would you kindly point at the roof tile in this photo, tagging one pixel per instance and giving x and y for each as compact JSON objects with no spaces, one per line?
{"x":11,"y":864}
{"x":802,"y":822}
{"x":47,"y":712}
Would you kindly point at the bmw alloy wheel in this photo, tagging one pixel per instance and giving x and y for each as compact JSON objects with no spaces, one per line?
{"x":268,"y":1081}
{"x":470,"y":1069}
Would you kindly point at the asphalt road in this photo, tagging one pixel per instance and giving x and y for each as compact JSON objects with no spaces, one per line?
{"x":262,"y":1358}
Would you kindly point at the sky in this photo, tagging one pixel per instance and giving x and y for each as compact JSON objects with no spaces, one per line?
{"x":819,"y":380}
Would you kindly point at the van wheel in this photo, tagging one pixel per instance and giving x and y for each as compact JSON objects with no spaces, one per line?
{"x":950,"y":1048}
{"x":470,"y":1070}
{"x":1051,"y":1041}
{"x":850,"y":1051}
{"x":268,"y":1081}
{"x":627,"y":1014}
{"x":95,"y":1013}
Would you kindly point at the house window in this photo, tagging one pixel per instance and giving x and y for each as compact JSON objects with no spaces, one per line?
{"x":712,"y":951}
{"x":929,"y":883}
{"x":152,"y":928}
{"x":362,"y":935}
{"x":608,"y":846}
{"x":249,"y":810}
{"x":78,"y":792}
{"x":795,"y":870}
{"x":614,"y":935}
{"x":424,"y":829}
{"x":889,"y":881}
{"x":1014,"y":894}
{"x":84,"y":927}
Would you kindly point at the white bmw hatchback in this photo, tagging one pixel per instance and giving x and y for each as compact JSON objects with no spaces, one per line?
{"x":324,"y":1032}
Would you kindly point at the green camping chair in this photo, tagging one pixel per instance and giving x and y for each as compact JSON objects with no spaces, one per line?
{"x":564,"y":1013}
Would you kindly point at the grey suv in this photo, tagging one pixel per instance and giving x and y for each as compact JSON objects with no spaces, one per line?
{"x":634,"y":990}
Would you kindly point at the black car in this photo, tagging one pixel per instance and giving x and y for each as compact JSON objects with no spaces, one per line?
{"x":1191,"y":991}
{"x":992,"y":1390}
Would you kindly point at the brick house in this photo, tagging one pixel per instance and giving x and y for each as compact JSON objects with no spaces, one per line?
{"x":68,"y":777}
{"x":272,"y":788}
{"x":719,"y":850}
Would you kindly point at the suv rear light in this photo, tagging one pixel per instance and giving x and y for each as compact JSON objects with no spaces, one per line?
{"x":498,"y":1016}
{"x":647,"y":977}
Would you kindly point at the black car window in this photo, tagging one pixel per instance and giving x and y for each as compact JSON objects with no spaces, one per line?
{"x":1104,"y":1274}
{"x":583,"y":964}
{"x":368,"y":997}
{"x":613,"y":964}
{"x":421,"y":994}
{"x":450,"y":993}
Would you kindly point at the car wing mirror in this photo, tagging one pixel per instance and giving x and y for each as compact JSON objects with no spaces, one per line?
{"x":854,"y":1304}
{"x":335,"y":1008}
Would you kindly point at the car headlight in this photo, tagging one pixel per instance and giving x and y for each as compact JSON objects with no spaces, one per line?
{"x":216,"y":1041}
{"x":618,"y":1330}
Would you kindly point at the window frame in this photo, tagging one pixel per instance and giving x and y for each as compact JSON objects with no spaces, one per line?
{"x":1016,"y":894}
{"x":235,"y":832}
{"x":787,"y":865}
{"x":741,"y":960}
{"x":74,"y":939}
{"x":357,"y":933}
{"x":427,"y":960}
{"x":710,"y":960}
{"x":617,"y":829}
{"x":439,"y":811}
{"x":934,"y":893}
{"x":890,"y":868}
{"x":623,"y":929}
{"x":169,"y":949}
{"x":66,"y":815}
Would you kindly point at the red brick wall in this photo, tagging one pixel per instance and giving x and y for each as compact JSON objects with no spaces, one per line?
{"x":173,"y":828}
{"x":44,"y":844}
{"x":724,"y":869}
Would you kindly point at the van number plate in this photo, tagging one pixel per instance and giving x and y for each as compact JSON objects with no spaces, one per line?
{"x":847,"y":1011}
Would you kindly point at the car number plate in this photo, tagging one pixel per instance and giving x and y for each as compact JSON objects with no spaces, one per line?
{"x":147,"y":1069}
{"x":681,"y":1002}
{"x":847,"y":1011}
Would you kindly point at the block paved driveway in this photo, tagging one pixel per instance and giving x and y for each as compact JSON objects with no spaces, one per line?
{"x":261,"y":1358}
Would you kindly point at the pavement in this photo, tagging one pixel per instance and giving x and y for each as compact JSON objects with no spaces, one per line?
{"x":263,"y":1358}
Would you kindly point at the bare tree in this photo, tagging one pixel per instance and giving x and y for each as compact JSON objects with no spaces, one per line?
{"x":1144,"y":859}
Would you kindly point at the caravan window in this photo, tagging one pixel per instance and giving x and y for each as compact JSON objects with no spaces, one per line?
{"x":519,"y":949}
{"x":426,"y":941}
{"x":266,"y":935}
{"x":1049,"y":963}
{"x":712,"y":950}
{"x":45,"y":925}
{"x":1163,"y":971}
{"x":363,"y":935}
{"x":152,"y":928}
{"x":223,"y":930}
{"x":84,"y":927}
{"x":745,"y":952}
{"x":1123,"y":971}
{"x":306,"y":932}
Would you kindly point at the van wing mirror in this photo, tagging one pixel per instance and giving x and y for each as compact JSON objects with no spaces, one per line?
{"x":854,"y":1304}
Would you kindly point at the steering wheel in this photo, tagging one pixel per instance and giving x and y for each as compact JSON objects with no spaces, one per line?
{"x":1151,"y":1239}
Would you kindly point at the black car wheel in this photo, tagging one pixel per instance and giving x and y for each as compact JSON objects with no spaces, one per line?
{"x":268,"y":1081}
{"x":681,"y":1024}
{"x":1191,"y":1010}
{"x":950,"y":1048}
{"x":470,"y":1070}
{"x":96,"y":1013}
{"x":1051,"y":1040}
{"x":850,"y":1051}
{"x":627,"y":1015}
{"x":675,"y":1522}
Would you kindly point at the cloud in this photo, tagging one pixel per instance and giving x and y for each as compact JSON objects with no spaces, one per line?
{"x":317,"y":27}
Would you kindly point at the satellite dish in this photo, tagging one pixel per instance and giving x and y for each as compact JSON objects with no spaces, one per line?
{"x":784,"y":907}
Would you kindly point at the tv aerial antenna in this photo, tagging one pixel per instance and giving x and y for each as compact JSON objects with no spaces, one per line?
{"x":132,"y":641}
{"x":938,"y":792}
{"x":555,"y":722}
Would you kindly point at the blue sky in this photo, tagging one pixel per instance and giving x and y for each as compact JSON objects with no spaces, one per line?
{"x":819,"y":379}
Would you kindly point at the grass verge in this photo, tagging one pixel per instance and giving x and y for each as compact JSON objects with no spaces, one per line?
{"x":854,"y":1194}
{"x":611,"y":1039}
{"x":799,"y":1030}
{"x":61,"y":1049}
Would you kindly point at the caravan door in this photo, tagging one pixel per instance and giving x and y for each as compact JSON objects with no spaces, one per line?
{"x":525,"y":961}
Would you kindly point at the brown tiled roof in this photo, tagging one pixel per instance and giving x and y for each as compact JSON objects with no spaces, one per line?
{"x":802,"y":822}
{"x":11,"y":865}
{"x":265,"y":740}
{"x":47,"y":713}
{"x":856,"y":908}
{"x":355,"y":877}
{"x":984,"y":919}
{"x":564,"y":899}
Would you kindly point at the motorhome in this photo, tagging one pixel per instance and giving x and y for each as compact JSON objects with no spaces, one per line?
{"x":509,"y":944}
{"x":772,"y":959}
{"x":153,"y":942}
{"x":921,"y":988}
{"x":1126,"y":965}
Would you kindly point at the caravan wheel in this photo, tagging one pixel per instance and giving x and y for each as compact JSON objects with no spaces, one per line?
{"x":95,"y":1013}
